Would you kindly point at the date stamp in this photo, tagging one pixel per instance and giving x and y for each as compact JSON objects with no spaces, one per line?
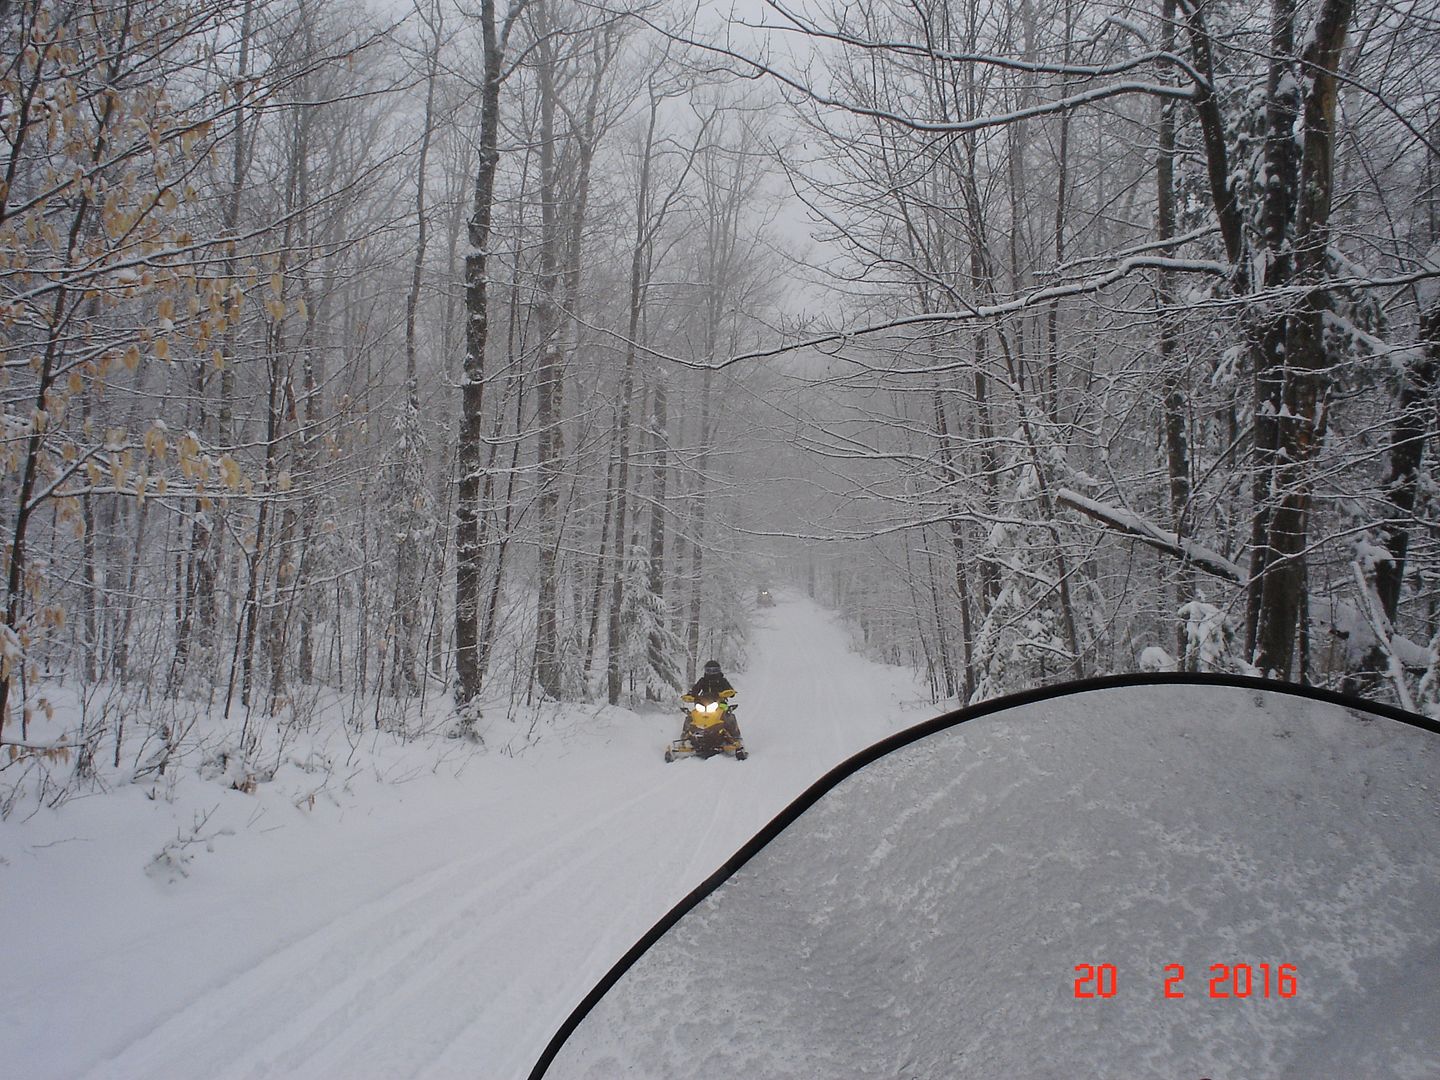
{"x":1097,"y":981}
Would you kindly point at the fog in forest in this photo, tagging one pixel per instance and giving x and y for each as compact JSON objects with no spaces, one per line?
{"x":455,"y":359}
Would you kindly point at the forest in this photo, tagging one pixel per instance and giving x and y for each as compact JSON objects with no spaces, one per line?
{"x":449,"y":359}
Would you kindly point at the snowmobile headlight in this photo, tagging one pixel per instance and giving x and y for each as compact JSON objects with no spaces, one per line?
{"x":714,"y":706}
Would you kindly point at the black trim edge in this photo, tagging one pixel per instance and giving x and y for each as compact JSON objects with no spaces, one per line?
{"x":890,"y":743}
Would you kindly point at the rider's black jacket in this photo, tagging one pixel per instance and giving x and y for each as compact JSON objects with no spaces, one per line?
{"x":710,"y":686}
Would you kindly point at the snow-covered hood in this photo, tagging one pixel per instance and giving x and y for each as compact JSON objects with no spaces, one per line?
{"x":1161,"y":876}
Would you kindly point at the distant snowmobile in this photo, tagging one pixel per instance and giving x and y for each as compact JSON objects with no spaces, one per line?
{"x":709,"y":729}
{"x":764,"y":599}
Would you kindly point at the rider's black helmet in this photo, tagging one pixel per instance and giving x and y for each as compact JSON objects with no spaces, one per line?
{"x":712,"y":667}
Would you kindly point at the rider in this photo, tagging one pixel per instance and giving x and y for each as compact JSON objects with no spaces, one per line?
{"x":711,"y":685}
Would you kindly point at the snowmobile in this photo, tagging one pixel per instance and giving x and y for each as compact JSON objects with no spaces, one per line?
{"x":764,"y":599}
{"x":708,"y":729}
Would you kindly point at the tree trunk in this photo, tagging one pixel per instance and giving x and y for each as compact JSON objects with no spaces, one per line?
{"x":1306,"y":379}
{"x":469,"y":552}
{"x":660,"y":435}
{"x":697,"y":523}
{"x":548,"y":380}
{"x":1267,"y":340}
{"x":597,"y":592}
{"x":639,"y":267}
{"x":957,"y":543}
{"x":614,"y":628}
{"x":1173,"y":382}
{"x":412,"y":517}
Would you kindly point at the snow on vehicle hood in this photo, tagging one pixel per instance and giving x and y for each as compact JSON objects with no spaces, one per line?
{"x":1162,"y":876}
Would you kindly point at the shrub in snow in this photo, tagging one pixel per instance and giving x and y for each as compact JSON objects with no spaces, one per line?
{"x":1209,"y":638}
{"x":1154,"y":658}
{"x":170,"y":862}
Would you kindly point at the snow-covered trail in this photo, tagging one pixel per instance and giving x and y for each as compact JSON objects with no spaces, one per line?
{"x":447,"y":934}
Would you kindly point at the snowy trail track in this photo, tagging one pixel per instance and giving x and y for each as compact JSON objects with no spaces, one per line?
{"x":453,"y":941}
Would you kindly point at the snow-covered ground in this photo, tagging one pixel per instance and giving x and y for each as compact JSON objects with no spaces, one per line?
{"x":424,"y":920}
{"x":432,"y":909}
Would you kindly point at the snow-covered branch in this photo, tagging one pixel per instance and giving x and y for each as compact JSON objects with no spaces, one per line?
{"x":1384,"y":635}
{"x":1132,"y":524}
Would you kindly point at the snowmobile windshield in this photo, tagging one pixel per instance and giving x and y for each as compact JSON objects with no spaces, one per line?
{"x":1167,"y":878}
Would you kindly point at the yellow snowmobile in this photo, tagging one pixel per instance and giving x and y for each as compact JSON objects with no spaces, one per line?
{"x":709,"y":729}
